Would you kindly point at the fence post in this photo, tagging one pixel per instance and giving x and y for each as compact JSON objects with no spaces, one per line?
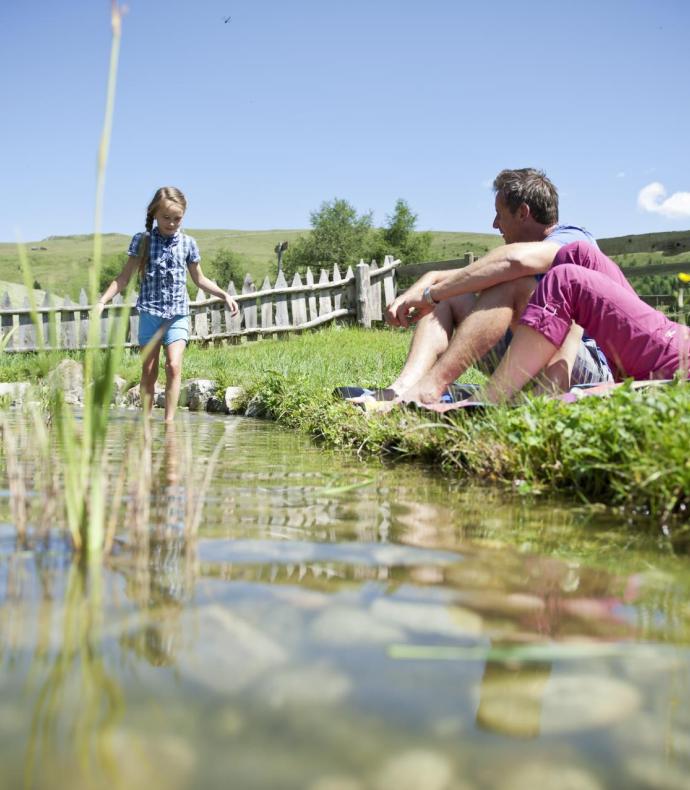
{"x":363,"y":284}
{"x":7,"y":321}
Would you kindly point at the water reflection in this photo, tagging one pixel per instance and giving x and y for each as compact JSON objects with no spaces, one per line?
{"x":249,"y":629}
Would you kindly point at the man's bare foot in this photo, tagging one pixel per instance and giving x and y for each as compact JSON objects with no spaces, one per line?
{"x":426,"y":390}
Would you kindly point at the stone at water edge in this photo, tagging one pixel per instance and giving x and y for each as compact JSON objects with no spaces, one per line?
{"x":199,"y":391}
{"x":69,"y":377}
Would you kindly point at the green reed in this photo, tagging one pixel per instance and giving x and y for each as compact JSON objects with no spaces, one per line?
{"x":82,"y":446}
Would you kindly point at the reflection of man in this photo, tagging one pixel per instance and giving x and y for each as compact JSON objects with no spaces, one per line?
{"x":463,"y":314}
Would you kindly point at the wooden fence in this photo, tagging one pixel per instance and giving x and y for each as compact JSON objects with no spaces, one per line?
{"x":360,"y":295}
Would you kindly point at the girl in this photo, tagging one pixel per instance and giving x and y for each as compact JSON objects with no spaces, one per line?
{"x":162,"y":256}
{"x":585,"y":286}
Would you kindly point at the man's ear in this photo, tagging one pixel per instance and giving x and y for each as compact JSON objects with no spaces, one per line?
{"x":524,"y":212}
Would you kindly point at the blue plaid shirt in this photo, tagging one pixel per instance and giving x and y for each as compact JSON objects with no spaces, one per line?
{"x":164,"y":285}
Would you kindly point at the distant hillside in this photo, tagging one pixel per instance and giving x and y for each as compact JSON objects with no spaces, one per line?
{"x":18,"y":293}
{"x":60,"y":263}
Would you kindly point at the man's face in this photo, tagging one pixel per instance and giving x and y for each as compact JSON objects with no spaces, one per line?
{"x":506,"y":222}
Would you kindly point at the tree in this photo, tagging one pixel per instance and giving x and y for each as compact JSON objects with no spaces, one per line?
{"x":399,"y":237}
{"x":227,"y":265}
{"x":339,"y":236}
{"x":111,"y":266}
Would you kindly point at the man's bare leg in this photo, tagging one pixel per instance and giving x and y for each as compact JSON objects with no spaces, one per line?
{"x":494,"y":311}
{"x":558,"y":373}
{"x":431,"y":338}
{"x":527,"y":354}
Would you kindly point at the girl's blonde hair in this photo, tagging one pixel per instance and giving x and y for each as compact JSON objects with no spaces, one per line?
{"x":171,"y":194}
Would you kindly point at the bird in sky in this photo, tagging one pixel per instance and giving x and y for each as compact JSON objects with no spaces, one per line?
{"x":227,"y":19}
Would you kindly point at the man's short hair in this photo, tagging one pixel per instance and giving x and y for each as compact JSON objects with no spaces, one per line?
{"x":532,"y":187}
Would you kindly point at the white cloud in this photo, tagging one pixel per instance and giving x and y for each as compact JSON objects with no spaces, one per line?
{"x":653,"y":198}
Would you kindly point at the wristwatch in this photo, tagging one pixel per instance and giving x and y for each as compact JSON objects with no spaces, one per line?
{"x":428,"y":298}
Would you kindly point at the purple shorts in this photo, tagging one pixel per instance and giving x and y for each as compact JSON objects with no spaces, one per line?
{"x":585,"y":286}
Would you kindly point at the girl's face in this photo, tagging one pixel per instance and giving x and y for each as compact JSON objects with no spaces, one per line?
{"x":168,"y":218}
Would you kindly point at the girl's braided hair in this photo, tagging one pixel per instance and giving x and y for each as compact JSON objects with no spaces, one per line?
{"x":171,"y":194}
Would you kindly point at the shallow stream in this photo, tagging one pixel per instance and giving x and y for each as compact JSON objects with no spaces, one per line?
{"x":337,"y":625}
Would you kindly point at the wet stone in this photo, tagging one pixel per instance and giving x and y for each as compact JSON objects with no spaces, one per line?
{"x":527,"y":701}
{"x":535,"y":775}
{"x":199,"y":392}
{"x":345,"y":626}
{"x":414,"y":770}
{"x":233,"y":398}
{"x":647,"y":770}
{"x":230,"y":652}
{"x":162,"y":759}
{"x":306,"y":685}
{"x":336,"y":783}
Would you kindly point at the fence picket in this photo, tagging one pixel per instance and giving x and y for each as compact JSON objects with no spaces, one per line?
{"x":233,"y":324}
{"x":313,"y":312}
{"x":266,"y":305}
{"x":200,"y":328}
{"x":281,"y":304}
{"x":49,"y":321}
{"x":363,"y":279}
{"x":350,"y":292}
{"x":68,"y":330}
{"x":388,"y":282}
{"x":375,"y":293}
{"x":298,"y":302}
{"x":325,"y":303}
{"x":26,"y":335}
{"x":337,"y":295}
{"x":250,"y":310}
{"x":7,"y":322}
{"x":83,"y":319}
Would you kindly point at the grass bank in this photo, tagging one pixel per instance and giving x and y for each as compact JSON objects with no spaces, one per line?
{"x":630,"y":450}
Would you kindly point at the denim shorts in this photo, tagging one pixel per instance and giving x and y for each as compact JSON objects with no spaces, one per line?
{"x":175,"y":328}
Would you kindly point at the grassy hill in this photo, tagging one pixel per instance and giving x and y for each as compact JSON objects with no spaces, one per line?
{"x":60,"y":263}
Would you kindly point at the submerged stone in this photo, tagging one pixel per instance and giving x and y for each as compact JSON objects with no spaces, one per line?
{"x":416,"y":769}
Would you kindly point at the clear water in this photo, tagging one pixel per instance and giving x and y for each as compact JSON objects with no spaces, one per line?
{"x":342,"y":626}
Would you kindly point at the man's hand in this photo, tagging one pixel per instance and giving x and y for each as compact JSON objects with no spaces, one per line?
{"x":410,"y":306}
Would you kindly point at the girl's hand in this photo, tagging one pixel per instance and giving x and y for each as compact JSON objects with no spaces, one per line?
{"x":100,"y":306}
{"x":232,"y":305}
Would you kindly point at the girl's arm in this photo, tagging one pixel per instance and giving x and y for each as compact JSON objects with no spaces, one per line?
{"x":201,"y":281}
{"x":119,"y":283}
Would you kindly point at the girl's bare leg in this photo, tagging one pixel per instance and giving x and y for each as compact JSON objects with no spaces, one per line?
{"x":149,"y":376}
{"x":173,"y":376}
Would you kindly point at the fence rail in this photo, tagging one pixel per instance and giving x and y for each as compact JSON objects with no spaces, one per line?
{"x":359,"y":295}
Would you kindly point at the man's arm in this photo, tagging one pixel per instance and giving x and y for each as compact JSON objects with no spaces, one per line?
{"x":508,"y":262}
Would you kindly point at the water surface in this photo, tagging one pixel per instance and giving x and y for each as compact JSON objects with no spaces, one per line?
{"x":341,"y":625}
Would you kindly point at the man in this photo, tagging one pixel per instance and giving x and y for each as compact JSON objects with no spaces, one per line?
{"x":464,"y":314}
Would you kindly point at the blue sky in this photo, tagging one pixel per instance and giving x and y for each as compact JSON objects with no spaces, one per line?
{"x":289,"y":104}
